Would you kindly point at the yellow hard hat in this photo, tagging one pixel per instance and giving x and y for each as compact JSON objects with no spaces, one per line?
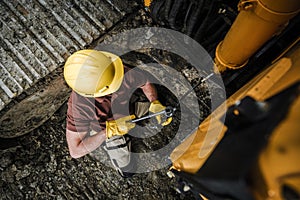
{"x":93,"y":73}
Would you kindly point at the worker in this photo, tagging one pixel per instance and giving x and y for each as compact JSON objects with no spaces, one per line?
{"x":98,"y":107}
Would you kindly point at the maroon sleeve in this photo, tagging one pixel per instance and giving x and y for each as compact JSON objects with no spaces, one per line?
{"x":85,"y":113}
{"x":75,"y":121}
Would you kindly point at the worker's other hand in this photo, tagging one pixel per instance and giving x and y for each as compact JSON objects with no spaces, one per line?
{"x":155,"y":107}
{"x":119,"y":126}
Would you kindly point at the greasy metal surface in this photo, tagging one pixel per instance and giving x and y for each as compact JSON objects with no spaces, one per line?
{"x":41,"y":106}
{"x":37,"y":36}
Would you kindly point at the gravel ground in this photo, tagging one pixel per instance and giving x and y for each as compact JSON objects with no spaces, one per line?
{"x":40,"y":167}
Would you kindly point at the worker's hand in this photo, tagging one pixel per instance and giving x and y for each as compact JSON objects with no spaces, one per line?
{"x":120,"y":126}
{"x":155,"y":107}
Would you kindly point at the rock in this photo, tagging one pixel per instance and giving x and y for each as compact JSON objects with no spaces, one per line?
{"x":5,"y":160}
{"x":22,"y":173}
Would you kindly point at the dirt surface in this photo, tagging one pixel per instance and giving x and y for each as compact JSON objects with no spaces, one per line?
{"x":38,"y":165}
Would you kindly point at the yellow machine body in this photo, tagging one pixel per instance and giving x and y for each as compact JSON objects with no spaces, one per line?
{"x":147,"y":3}
{"x":256,"y":23}
{"x":279,"y":163}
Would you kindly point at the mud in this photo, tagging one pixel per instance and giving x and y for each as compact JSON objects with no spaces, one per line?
{"x":40,"y":167}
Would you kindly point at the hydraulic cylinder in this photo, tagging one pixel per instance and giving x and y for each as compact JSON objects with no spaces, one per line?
{"x":256,"y":23}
